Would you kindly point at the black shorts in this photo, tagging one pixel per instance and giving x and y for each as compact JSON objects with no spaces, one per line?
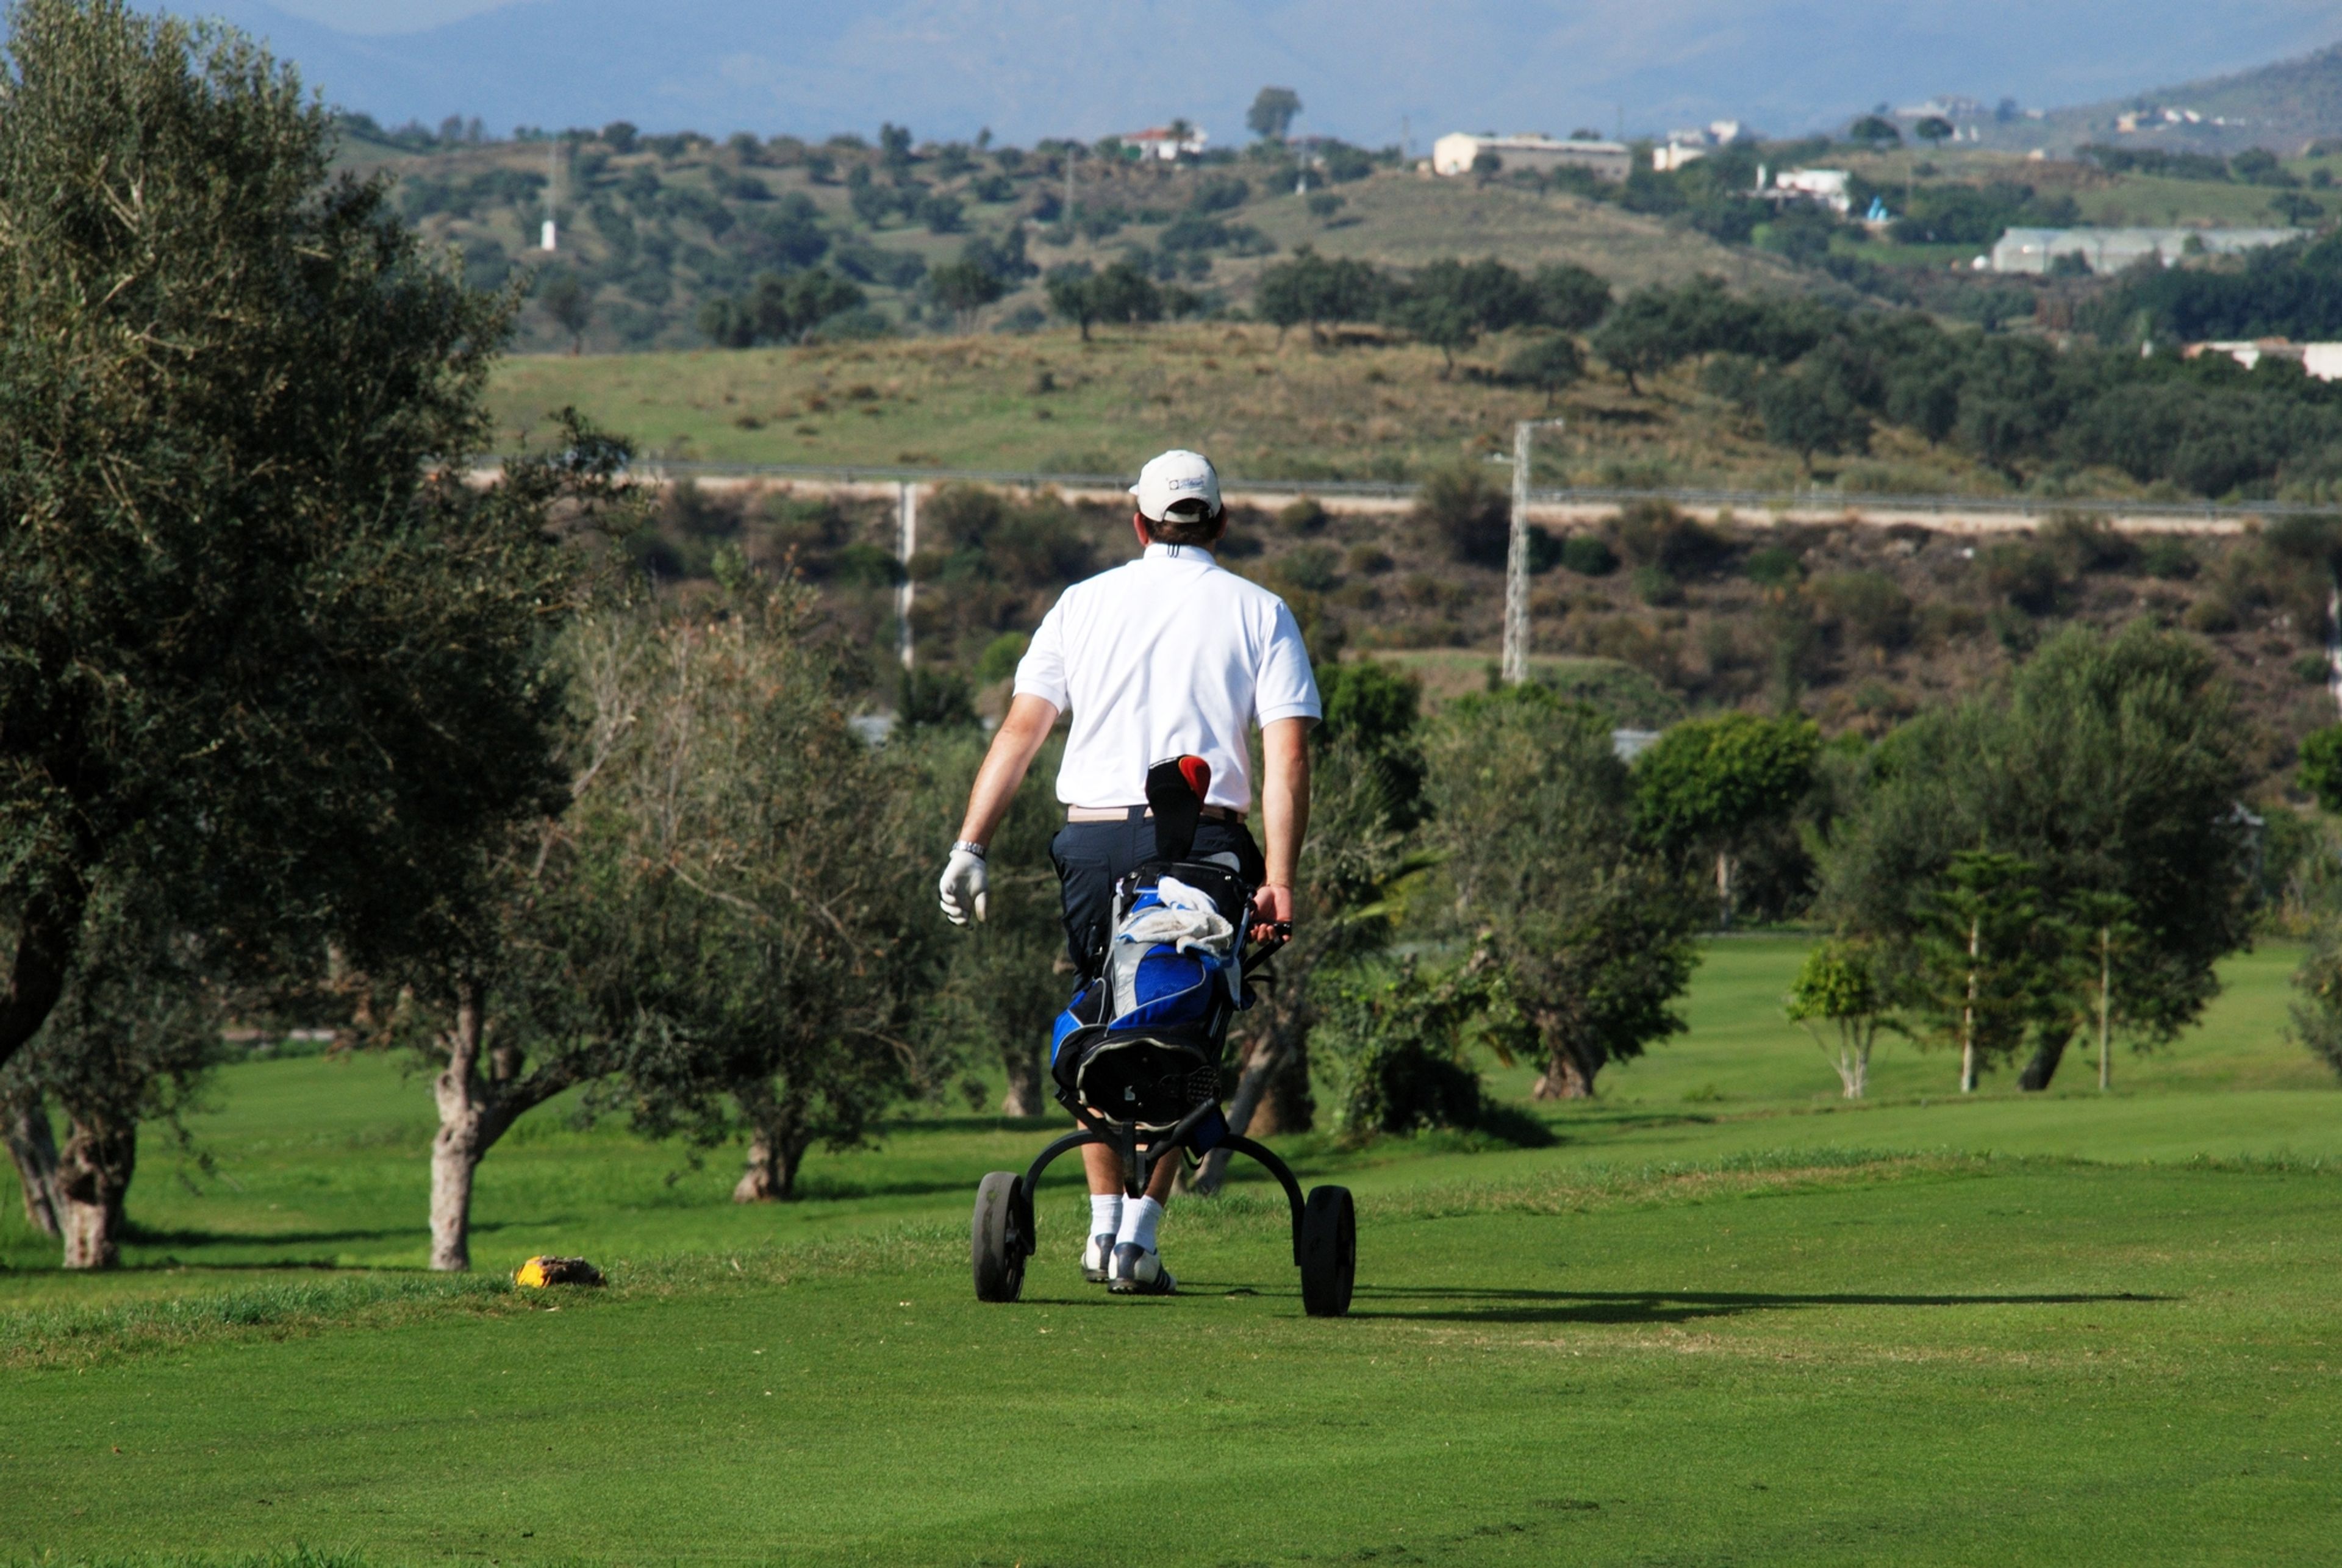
{"x":1092,"y":856}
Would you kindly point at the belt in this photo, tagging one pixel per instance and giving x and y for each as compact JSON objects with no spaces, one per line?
{"x":1140,"y":813}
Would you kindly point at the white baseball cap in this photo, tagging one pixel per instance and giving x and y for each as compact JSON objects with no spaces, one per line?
{"x":1177,"y":475}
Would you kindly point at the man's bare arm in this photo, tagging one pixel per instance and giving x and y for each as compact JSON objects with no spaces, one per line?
{"x":1014,"y":747}
{"x":1284,"y":811}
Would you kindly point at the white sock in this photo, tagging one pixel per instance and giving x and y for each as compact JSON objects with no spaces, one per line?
{"x":1139,"y":1219}
{"x":1105,"y":1214}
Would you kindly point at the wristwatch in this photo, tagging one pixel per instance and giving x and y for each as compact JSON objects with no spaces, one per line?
{"x":968,"y":845}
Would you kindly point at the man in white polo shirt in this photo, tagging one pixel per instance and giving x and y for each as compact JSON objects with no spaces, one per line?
{"x":1166,"y":656}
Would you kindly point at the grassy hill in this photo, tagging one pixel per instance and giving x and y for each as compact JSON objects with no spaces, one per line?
{"x":1264,"y":405}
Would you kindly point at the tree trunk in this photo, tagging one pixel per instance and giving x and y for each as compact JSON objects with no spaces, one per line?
{"x":33,"y":1146}
{"x":1723,"y":891}
{"x":1286,"y":1103}
{"x":778,"y":1142}
{"x":762,"y":1181}
{"x":1264,"y":1065}
{"x":1968,"y":1014}
{"x":1565,"y":1078}
{"x":2047,"y":1052}
{"x":1024,"y":1096}
{"x":471,"y":1119}
{"x":92,"y":1178}
{"x":2105,"y":1004}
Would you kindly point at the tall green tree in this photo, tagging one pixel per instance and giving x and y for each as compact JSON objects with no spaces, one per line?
{"x":1273,"y":112}
{"x":1708,"y":786}
{"x":1534,"y":813}
{"x":260,"y":642}
{"x":964,"y":288}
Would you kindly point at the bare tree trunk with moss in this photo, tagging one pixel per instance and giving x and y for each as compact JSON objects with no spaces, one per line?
{"x":2105,"y":1001}
{"x":94,"y":1173}
{"x":481,"y":1092}
{"x":33,"y":1146}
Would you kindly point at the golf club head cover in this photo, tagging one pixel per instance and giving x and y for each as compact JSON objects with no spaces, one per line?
{"x":1174,"y":793}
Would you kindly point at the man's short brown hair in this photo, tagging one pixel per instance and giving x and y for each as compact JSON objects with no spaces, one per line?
{"x":1187,"y":523}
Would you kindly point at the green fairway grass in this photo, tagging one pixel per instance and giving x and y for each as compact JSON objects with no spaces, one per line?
{"x":1724,"y":1317}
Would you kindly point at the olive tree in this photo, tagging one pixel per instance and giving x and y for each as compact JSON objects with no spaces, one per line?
{"x":1534,"y":813}
{"x":2110,"y":767}
{"x":1007,"y":976}
{"x":783,"y":905}
{"x":130,"y":1042}
{"x":1838,"y":985}
{"x":277,"y":671}
{"x":1708,"y":786}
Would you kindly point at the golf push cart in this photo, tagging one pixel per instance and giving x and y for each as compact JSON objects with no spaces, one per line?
{"x":1137,"y":1057}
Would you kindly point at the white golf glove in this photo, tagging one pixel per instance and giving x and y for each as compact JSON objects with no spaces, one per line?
{"x":964,"y":883}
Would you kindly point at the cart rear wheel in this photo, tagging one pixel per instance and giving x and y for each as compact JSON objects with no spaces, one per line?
{"x":995,"y":1237}
{"x":1329,"y":1252}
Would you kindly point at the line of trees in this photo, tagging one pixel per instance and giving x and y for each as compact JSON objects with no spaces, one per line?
{"x":1819,"y":379}
{"x":1448,"y":304}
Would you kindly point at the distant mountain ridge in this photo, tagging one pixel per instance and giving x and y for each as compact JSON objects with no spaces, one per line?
{"x":1368,"y":70}
{"x":2279,"y":105}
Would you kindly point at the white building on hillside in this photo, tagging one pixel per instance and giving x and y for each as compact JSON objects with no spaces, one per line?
{"x":2320,"y":361}
{"x":1455,"y":153}
{"x":2111,"y":250}
{"x":1827,"y":187}
{"x":1163,"y":142}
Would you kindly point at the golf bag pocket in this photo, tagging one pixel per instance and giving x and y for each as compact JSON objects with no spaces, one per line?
{"x":1159,"y":987}
{"x":1085,"y":1010}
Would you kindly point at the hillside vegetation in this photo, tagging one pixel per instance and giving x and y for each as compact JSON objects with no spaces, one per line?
{"x":655,"y":229}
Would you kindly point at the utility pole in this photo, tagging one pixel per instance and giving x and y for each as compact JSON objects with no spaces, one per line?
{"x":1072,"y":149}
{"x":906,"y":545}
{"x":1517,"y":559}
{"x":552,"y":193}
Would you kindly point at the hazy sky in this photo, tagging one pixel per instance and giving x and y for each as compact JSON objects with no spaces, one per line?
{"x":1368,"y":70}
{"x":384,"y":16}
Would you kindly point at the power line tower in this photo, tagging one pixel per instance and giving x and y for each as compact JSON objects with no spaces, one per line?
{"x":1516,"y":557}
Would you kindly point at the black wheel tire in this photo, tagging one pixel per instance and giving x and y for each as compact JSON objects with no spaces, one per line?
{"x":995,"y":1237}
{"x":1329,"y":1252}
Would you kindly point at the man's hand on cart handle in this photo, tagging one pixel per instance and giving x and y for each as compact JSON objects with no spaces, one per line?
{"x":965,"y":884}
{"x":1272,"y":906}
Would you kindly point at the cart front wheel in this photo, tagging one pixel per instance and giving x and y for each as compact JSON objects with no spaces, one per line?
{"x":1329,"y":1252}
{"x":995,"y":1239}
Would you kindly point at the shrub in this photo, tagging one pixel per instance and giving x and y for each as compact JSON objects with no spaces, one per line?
{"x":1545,"y":550}
{"x":2317,"y":1014}
{"x":1369,"y":560}
{"x":2081,"y":543}
{"x":2167,"y":557}
{"x":1314,"y":567}
{"x":1305,"y":515}
{"x":1656,"y":586}
{"x":1655,"y":533}
{"x":1588,"y":555}
{"x":2027,"y":575}
{"x":1392,"y":1045}
{"x":1000,"y":656}
{"x":1466,"y":514}
{"x":2321,"y":766}
{"x":1868,"y":608}
{"x":1774,"y":566}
